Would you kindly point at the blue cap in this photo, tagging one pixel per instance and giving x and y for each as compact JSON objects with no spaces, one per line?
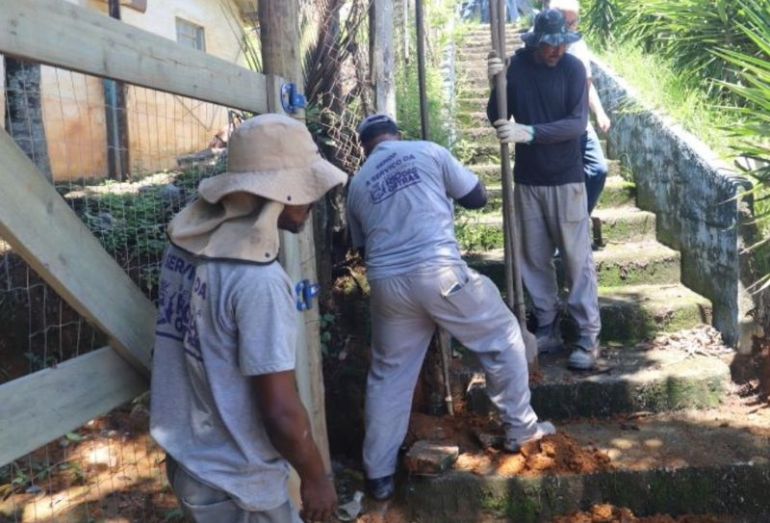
{"x":375,"y":125}
{"x":550,"y":28}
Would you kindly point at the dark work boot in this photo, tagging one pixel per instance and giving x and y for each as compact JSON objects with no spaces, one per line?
{"x":381,"y":488}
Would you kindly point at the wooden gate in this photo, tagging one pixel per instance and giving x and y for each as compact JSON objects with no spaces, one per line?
{"x":39,"y":225}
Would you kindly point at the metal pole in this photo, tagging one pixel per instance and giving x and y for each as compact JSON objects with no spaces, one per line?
{"x":421,"y":69}
{"x":505,"y":157}
{"x":116,"y":119}
{"x":513,"y":283}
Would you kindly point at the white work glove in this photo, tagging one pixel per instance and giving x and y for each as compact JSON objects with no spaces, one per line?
{"x":512,"y":132}
{"x":495,"y":65}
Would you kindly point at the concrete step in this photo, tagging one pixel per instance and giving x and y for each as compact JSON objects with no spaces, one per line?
{"x":472,"y":119}
{"x":635,"y":263}
{"x":472,"y":68}
{"x":472,"y":103}
{"x":473,"y":82}
{"x":625,"y":224}
{"x":483,"y":133}
{"x":636,"y":312}
{"x":618,"y":192}
{"x":674,"y":464}
{"x":472,"y":152}
{"x":488,"y":172}
{"x":629,"y":313}
{"x":618,"y":225}
{"x":627,"y":380}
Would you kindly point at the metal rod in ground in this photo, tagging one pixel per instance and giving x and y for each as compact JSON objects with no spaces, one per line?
{"x":445,"y":345}
{"x":420,"y":22}
{"x":512,"y":237}
{"x":505,"y":159}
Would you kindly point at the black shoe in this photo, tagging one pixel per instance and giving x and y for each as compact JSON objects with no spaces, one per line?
{"x":381,"y":488}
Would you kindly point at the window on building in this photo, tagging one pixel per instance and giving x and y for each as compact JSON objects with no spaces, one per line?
{"x":190,"y":34}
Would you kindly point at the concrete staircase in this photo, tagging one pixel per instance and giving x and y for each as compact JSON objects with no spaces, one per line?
{"x":640,"y":297}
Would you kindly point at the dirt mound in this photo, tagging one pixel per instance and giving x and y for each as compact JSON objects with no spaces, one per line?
{"x":557,"y":454}
{"x":610,"y":514}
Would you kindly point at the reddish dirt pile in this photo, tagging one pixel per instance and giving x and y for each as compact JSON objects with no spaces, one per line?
{"x":557,"y":454}
{"x":610,"y":514}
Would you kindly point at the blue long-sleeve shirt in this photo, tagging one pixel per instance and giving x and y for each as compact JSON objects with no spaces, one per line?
{"x":553,"y":100}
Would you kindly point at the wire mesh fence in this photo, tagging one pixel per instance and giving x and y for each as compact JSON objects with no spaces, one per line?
{"x":108,"y":468}
{"x":126,"y":159}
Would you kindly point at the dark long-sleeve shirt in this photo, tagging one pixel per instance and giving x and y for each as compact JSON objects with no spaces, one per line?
{"x":554,"y":100}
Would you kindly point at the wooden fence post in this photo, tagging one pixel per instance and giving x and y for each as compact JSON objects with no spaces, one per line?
{"x":279,"y":23}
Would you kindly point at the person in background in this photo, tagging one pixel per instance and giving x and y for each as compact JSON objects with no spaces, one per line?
{"x":224,"y":400}
{"x":594,"y":163}
{"x":401,"y":215}
{"x":547,"y":95}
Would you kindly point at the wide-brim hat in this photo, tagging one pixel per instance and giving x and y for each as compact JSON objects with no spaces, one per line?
{"x":272,"y":161}
{"x":550,"y":28}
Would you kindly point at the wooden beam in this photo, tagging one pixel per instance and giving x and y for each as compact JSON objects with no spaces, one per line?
{"x":62,"y":34}
{"x":40,"y":407}
{"x":39,"y":225}
{"x":279,"y":21}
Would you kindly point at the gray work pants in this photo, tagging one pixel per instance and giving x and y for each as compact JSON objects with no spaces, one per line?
{"x":553,"y":217}
{"x":405,"y":311}
{"x":204,"y":504}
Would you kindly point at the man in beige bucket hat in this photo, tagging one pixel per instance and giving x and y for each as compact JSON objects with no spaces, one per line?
{"x":224,"y":400}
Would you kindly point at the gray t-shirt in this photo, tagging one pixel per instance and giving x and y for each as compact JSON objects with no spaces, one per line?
{"x":400,"y":207}
{"x":218,"y":324}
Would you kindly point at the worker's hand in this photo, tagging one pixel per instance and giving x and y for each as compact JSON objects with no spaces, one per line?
{"x":512,"y":132}
{"x":495,"y":65}
{"x":603,"y":122}
{"x":319,"y":499}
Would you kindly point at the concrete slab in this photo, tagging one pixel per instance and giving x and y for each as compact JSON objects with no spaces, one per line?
{"x":625,"y":224}
{"x":626,"y":381}
{"x":669,"y":464}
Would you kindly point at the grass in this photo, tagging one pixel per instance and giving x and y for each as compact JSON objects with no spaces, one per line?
{"x":658,"y":86}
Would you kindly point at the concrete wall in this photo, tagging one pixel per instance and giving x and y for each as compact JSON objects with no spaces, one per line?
{"x":161,"y":126}
{"x":694,"y":197}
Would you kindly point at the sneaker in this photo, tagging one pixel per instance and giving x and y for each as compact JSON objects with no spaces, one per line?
{"x":582,"y":358}
{"x":549,"y":338}
{"x":381,"y":488}
{"x":514,"y":443}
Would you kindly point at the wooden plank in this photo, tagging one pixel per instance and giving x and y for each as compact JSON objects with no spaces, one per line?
{"x":280,"y":57}
{"x":40,"y":226}
{"x":65,"y":35}
{"x":40,"y":407}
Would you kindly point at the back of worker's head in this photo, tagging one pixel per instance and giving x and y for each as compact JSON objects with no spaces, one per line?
{"x":374,"y":129}
{"x":565,"y":5}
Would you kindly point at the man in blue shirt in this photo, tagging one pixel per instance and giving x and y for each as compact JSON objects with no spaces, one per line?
{"x":548,"y":98}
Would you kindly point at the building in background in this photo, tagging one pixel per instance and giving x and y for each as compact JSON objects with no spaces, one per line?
{"x":161,"y":126}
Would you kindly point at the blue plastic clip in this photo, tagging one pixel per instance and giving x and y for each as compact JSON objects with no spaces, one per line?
{"x":306,"y":293}
{"x":291,"y":99}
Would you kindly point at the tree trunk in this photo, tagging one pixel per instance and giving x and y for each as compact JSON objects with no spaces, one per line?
{"x":381,"y":61}
{"x":24,"y":111}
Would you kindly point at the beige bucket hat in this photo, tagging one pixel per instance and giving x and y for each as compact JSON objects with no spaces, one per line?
{"x":272,"y":161}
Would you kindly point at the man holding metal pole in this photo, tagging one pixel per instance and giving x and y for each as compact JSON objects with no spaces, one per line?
{"x":401,"y":214}
{"x":547,"y":96}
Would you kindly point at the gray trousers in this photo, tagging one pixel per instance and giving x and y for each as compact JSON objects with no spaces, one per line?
{"x":553,"y":217}
{"x":405,"y":311}
{"x":204,"y":504}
